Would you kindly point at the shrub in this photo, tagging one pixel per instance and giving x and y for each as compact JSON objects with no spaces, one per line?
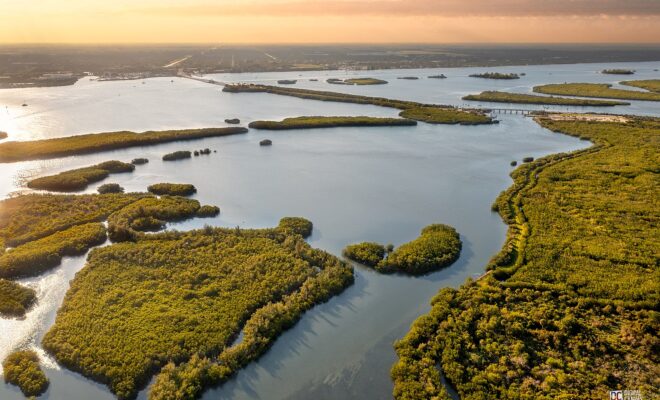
{"x":366,"y":253}
{"x":21,"y":368}
{"x":438,"y":246}
{"x":528,"y":159}
{"x":208,"y":211}
{"x":266,"y":142}
{"x":15,"y":299}
{"x":233,"y":121}
{"x":172,"y":189}
{"x":139,"y":161}
{"x":296,"y":225}
{"x":110,"y":188}
{"x":177,"y":155}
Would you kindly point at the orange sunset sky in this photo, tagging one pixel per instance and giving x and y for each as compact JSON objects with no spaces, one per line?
{"x":329,"y":21}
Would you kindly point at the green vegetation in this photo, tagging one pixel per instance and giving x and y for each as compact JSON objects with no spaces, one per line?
{"x":37,"y":256}
{"x":366,"y":253}
{"x":438,"y":246}
{"x":504,"y":97}
{"x":139,"y":161}
{"x":652,"y":85}
{"x":79,"y":179}
{"x":329,"y":122}
{"x":15,"y":299}
{"x":365,"y":81}
{"x":528,"y":159}
{"x":296,"y":226}
{"x":110,"y":188}
{"x":495,"y":75}
{"x":207,"y":211}
{"x":21,"y":368}
{"x":599,"y":90}
{"x":179,"y":299}
{"x":443,"y":113}
{"x":569,"y":307}
{"x":437,"y":115}
{"x":177,"y":155}
{"x":93,"y":143}
{"x":172,"y":189}
{"x":618,"y":71}
{"x":32,"y":217}
{"x":147,"y":215}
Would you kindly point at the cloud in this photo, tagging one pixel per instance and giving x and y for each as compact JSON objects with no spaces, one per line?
{"x":438,"y":8}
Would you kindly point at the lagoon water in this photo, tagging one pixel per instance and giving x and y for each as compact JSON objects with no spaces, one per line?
{"x":355,"y":184}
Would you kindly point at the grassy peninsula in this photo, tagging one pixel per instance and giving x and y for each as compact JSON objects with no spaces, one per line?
{"x":98,"y":142}
{"x":652,"y":85}
{"x":495,"y":75}
{"x":571,"y":301}
{"x":177,"y":301}
{"x":79,"y":179}
{"x":519,"y":98}
{"x":425,"y":112}
{"x":21,"y":368}
{"x":329,"y":122}
{"x":438,"y":246}
{"x":599,"y":90}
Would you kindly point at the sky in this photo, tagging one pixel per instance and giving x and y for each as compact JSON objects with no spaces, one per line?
{"x":329,"y":21}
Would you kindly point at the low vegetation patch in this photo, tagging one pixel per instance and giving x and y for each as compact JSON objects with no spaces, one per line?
{"x":572,"y":298}
{"x":441,"y":115}
{"x":21,"y":368}
{"x":139,"y":161}
{"x":366,"y":253}
{"x":296,"y":226}
{"x":519,"y":98}
{"x":177,"y":301}
{"x":441,"y":76}
{"x":600,"y":90}
{"x":408,"y":78}
{"x":177,"y":155}
{"x":94,"y":143}
{"x":618,"y":71}
{"x":652,"y":85}
{"x":78,"y":179}
{"x":15,"y":299}
{"x":35,"y":257}
{"x":496,"y":75}
{"x":365,"y":81}
{"x":329,"y":122}
{"x":172,"y":189}
{"x":110,"y":188}
{"x":233,"y":121}
{"x":3,"y":135}
{"x":207,"y":211}
{"x":438,"y":246}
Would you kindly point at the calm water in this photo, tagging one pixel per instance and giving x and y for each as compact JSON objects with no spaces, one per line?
{"x":355,"y":184}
